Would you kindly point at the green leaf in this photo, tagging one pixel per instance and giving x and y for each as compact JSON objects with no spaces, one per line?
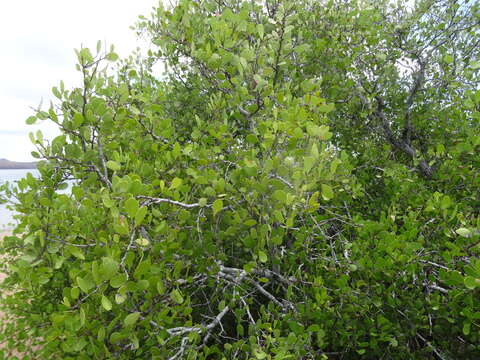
{"x":107,"y":305}
{"x":260,"y":30}
{"x":85,"y":56}
{"x":35,"y":155}
{"x":308,"y":163}
{"x":381,"y":56}
{"x":176,"y":182}
{"x":280,"y":196}
{"x":75,"y":293}
{"x":324,"y":133}
{"x":140,"y":215}
{"x":131,"y":319}
{"x":142,"y":242}
{"x":76,"y":251}
{"x":118,"y":280}
{"x":77,"y":120}
{"x":113,"y":165}
{"x":131,"y":207}
{"x":176,"y":296}
{"x":251,"y":139}
{"x":120,"y":299}
{"x":84,"y":284}
{"x":107,"y":201}
{"x":313,"y":202}
{"x":57,"y":93}
{"x":326,"y":108}
{"x":217,"y":206}
{"x":314,"y":152}
{"x":260,"y":355}
{"x":448,"y":59}
{"x":101,"y":334}
{"x":471,"y":283}
{"x":135,"y":342}
{"x":112,"y":56}
{"x":445,"y":202}
{"x":31,"y":120}
{"x":262,"y":257}
{"x":327,"y":192}
{"x":463,"y":232}
{"x":116,"y":337}
{"x":160,"y":287}
{"x":109,"y":268}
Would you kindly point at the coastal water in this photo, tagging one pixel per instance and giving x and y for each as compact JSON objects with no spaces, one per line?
{"x":7,"y":221}
{"x":11,"y":175}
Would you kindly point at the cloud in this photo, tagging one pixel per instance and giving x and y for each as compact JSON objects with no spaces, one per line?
{"x":38,"y":40}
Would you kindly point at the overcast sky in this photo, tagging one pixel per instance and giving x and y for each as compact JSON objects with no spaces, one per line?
{"x":37,"y":42}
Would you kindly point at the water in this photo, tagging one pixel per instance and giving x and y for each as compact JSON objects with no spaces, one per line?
{"x":11,"y":175}
{"x":6,"y":215}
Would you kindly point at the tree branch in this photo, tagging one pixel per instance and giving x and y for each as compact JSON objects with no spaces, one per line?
{"x":400,"y":144}
{"x":153,"y":200}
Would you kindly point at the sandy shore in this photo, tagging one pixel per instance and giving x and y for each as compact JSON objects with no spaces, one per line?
{"x":2,"y":234}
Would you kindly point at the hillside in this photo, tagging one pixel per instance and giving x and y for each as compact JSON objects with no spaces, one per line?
{"x":7,"y":164}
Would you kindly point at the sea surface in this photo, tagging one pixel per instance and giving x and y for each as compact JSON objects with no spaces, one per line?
{"x":11,"y":175}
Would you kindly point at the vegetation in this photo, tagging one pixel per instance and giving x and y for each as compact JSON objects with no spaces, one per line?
{"x":302,"y":183}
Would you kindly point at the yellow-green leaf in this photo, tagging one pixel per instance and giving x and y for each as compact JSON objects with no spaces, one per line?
{"x":448,"y":59}
{"x":131,"y":319}
{"x":327,"y":192}
{"x":326,"y":108}
{"x":176,"y":296}
{"x":324,"y":133}
{"x":280,"y":196}
{"x":140,"y":215}
{"x":217,"y":206}
{"x":308,"y":163}
{"x":314,"y":152}
{"x":113,"y":165}
{"x":84,"y":285}
{"x":471,"y":283}
{"x":107,"y":304}
{"x":160,"y":288}
{"x":463,"y":232}
{"x":119,"y":299}
{"x":260,"y":30}
{"x":31,"y":120}
{"x":131,"y":207}
{"x":176,"y":182}
{"x":77,"y":252}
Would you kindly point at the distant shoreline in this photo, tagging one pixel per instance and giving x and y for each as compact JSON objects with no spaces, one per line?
{"x":11,"y":165}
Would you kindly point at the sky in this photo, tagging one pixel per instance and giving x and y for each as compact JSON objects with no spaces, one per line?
{"x":37,"y":42}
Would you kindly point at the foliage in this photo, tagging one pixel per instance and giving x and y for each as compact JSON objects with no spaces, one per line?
{"x":302,"y":183}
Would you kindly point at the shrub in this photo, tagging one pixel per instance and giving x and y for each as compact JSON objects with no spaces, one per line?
{"x":301,"y":183}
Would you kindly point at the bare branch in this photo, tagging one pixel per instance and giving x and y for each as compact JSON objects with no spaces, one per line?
{"x":438,"y":288}
{"x":102,"y":161}
{"x":437,"y":352}
{"x":286,"y":182}
{"x":153,"y":200}
{"x":417,"y":85}
{"x":402,"y":145}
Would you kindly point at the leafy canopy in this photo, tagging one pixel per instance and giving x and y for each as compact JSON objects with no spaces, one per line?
{"x":301,"y":183}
